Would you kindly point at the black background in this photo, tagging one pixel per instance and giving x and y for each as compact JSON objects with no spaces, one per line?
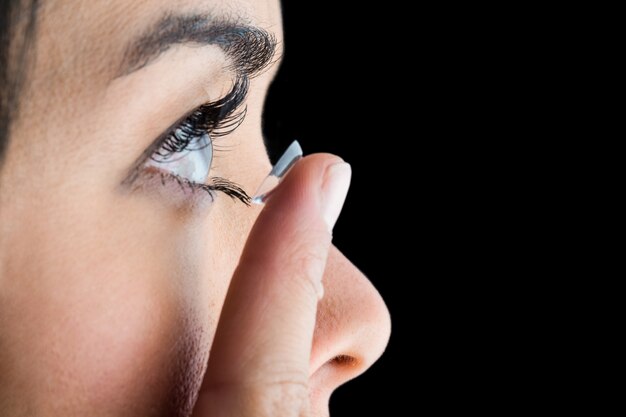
{"x":436,"y":110}
{"x":334,"y":94}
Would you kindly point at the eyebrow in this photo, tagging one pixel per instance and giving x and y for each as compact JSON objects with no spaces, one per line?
{"x":250,"y":49}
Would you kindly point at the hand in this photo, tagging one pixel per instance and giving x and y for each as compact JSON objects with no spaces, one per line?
{"x":259,"y":363}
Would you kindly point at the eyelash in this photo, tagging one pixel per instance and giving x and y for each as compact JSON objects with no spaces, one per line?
{"x":218,"y":184}
{"x":218,"y":119}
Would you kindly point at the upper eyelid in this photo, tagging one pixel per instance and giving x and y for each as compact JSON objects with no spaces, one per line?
{"x":229,"y":104}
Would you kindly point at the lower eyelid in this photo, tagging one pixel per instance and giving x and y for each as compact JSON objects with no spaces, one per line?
{"x":169,"y":186}
{"x":171,"y":190}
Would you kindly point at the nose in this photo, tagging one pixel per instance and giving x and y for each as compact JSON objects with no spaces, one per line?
{"x":352,"y":329}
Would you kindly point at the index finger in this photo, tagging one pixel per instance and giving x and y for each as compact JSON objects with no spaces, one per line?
{"x":265,"y":333}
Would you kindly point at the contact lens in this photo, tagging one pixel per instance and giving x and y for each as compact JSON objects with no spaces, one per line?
{"x":280,"y":170}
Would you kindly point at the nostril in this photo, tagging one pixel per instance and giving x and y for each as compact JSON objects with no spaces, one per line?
{"x":344,"y":361}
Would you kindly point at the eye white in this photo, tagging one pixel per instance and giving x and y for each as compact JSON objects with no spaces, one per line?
{"x":193,"y":164}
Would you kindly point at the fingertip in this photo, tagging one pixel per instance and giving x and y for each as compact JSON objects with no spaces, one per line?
{"x":304,"y":181}
{"x":299,"y":216}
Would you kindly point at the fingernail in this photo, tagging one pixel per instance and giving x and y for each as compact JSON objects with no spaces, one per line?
{"x":334,"y":191}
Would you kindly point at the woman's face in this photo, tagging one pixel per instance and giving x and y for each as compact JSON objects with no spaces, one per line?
{"x":113,"y":266}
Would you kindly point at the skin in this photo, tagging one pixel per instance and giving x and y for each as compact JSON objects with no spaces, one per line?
{"x":110,"y":298}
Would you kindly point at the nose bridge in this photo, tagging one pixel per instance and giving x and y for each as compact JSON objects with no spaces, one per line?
{"x":353,"y":324}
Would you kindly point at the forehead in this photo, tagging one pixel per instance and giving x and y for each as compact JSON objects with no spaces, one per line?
{"x":87,"y":38}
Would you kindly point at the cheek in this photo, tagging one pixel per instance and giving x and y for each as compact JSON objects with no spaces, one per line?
{"x":119,"y":318}
{"x":110,"y":305}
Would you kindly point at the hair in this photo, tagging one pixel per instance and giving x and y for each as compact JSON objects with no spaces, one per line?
{"x":17,"y":32}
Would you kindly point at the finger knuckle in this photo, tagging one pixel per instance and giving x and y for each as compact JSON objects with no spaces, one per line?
{"x":309,"y":261}
{"x":284,"y":398}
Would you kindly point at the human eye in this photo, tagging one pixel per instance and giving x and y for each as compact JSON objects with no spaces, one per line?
{"x":184,"y":154}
